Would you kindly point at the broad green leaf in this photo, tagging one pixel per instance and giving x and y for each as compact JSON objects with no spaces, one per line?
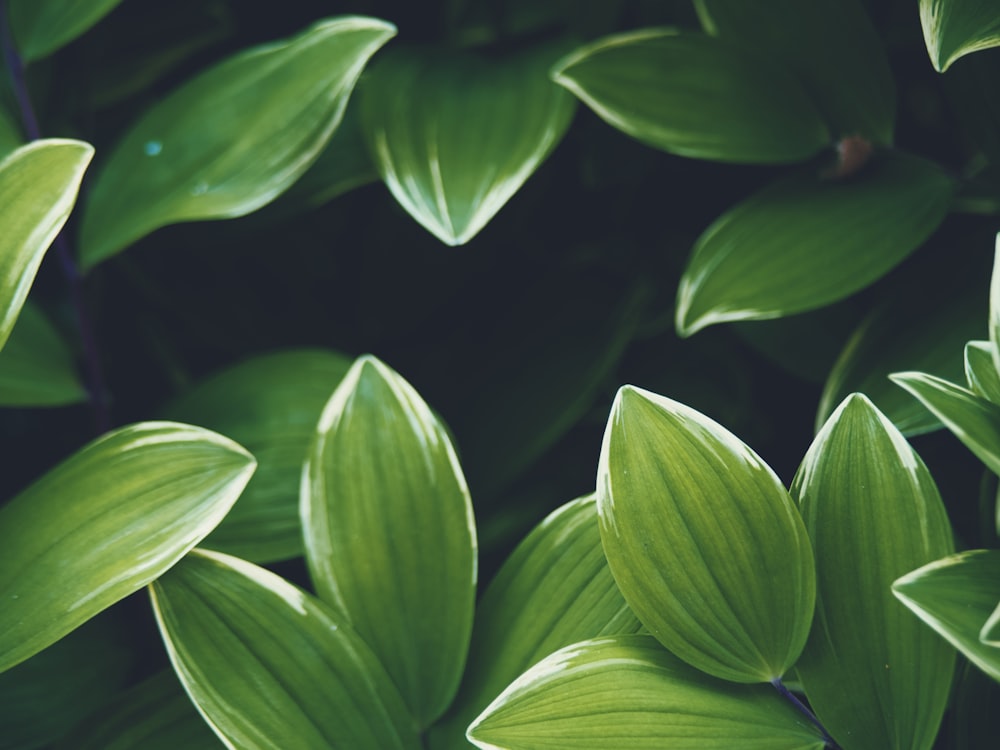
{"x":806,"y":241}
{"x":390,"y":536}
{"x":270,"y":405}
{"x":874,"y":676}
{"x":36,"y":365}
{"x":995,"y":305}
{"x":974,"y":420}
{"x":696,"y":96}
{"x":106,"y":522}
{"x":990,"y":634}
{"x":703,"y":540}
{"x":232,"y":139}
{"x":627,"y":692}
{"x":829,"y":45}
{"x":954,"y":28}
{"x":955,"y":596}
{"x":554,"y":590}
{"x":269,"y":666}
{"x":454,"y":136}
{"x":981,"y":372}
{"x":43,"y":26}
{"x":10,"y":133}
{"x":38,"y":186}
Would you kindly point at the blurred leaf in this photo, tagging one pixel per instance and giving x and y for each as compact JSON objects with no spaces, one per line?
{"x":955,"y":596}
{"x":995,"y":305}
{"x":10,"y":133}
{"x":626,"y":691}
{"x":291,"y":675}
{"x":695,"y":96}
{"x":38,"y":186}
{"x":954,"y":28}
{"x":871,"y":672}
{"x":976,"y":706}
{"x":980,"y":372}
{"x":41,"y":27}
{"x":455,"y":135}
{"x":390,"y":536}
{"x":686,"y":511}
{"x":805,"y":241}
{"x":269,"y":404}
{"x":232,"y":139}
{"x":106,"y":522}
{"x":829,"y":45}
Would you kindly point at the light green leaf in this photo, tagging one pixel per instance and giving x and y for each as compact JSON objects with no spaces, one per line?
{"x":232,"y":139}
{"x":454,"y":136}
{"x":36,"y":365}
{"x":269,"y":666}
{"x":974,"y":420}
{"x":990,"y":634}
{"x":696,"y":96}
{"x":955,"y":596}
{"x":954,"y":28}
{"x":703,"y":540}
{"x":38,"y":186}
{"x":269,"y":404}
{"x":626,"y":691}
{"x":980,"y":372}
{"x":875,"y":678}
{"x":805,"y":241}
{"x":995,"y":305}
{"x":106,"y":522}
{"x":390,"y":537}
{"x":41,"y":27}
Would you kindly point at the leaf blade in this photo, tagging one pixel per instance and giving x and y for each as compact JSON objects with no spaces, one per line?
{"x":955,"y":28}
{"x":42,"y":27}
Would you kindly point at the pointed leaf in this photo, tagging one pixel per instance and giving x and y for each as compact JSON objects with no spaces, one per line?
{"x":43,"y":26}
{"x":626,"y":691}
{"x":269,"y":666}
{"x":955,"y":596}
{"x":455,"y":136}
{"x":695,"y":96}
{"x":990,"y":634}
{"x":106,"y":522}
{"x":980,"y":372}
{"x":686,"y":511}
{"x":38,"y":186}
{"x":390,"y":537}
{"x":954,"y":28}
{"x":873,"y":512}
{"x":232,"y":139}
{"x":805,"y":242}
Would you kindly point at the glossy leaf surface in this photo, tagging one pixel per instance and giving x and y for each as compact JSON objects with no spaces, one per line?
{"x":455,"y":136}
{"x":36,"y":365}
{"x":955,"y":28}
{"x":269,"y":666}
{"x":875,"y":678}
{"x":106,"y":522}
{"x":695,"y":96}
{"x":43,"y":26}
{"x":805,"y":242}
{"x":980,"y":372}
{"x":390,"y":537}
{"x":232,"y":139}
{"x":687,"y":511}
{"x":627,"y":691}
{"x":38,"y":186}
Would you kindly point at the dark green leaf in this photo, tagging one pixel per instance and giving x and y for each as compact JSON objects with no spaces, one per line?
{"x":980,"y":372}
{"x":954,"y":28}
{"x":995,"y":306}
{"x":10,"y":133}
{"x":43,"y":26}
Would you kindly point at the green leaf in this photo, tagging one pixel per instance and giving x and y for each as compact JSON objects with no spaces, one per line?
{"x":10,"y":133}
{"x":995,"y":306}
{"x":954,"y":28}
{"x":829,"y":45}
{"x":805,"y":241}
{"x":38,"y":186}
{"x":232,"y":139}
{"x":455,"y":135}
{"x":695,"y":96}
{"x":980,"y":372}
{"x":990,"y":634}
{"x":41,"y":27}
{"x":106,"y":522}
{"x":955,"y":596}
{"x":875,"y":678}
{"x":290,"y":675}
{"x":269,"y":404}
{"x":626,"y":691}
{"x":974,"y":420}
{"x":390,"y":537}
{"x":703,"y":540}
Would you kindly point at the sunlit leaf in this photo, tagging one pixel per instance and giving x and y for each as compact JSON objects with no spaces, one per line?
{"x":390,"y":537}
{"x":954,"y":28}
{"x":875,"y":677}
{"x":41,"y":27}
{"x":232,"y":139}
{"x":980,"y":372}
{"x":696,"y":96}
{"x":269,"y":666}
{"x":703,"y":540}
{"x":106,"y":522}
{"x":627,"y":692}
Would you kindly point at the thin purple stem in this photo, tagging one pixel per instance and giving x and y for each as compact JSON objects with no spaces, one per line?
{"x":804,"y":709}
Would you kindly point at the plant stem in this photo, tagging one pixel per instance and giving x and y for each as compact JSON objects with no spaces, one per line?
{"x":74,"y":279}
{"x":793,"y":699}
